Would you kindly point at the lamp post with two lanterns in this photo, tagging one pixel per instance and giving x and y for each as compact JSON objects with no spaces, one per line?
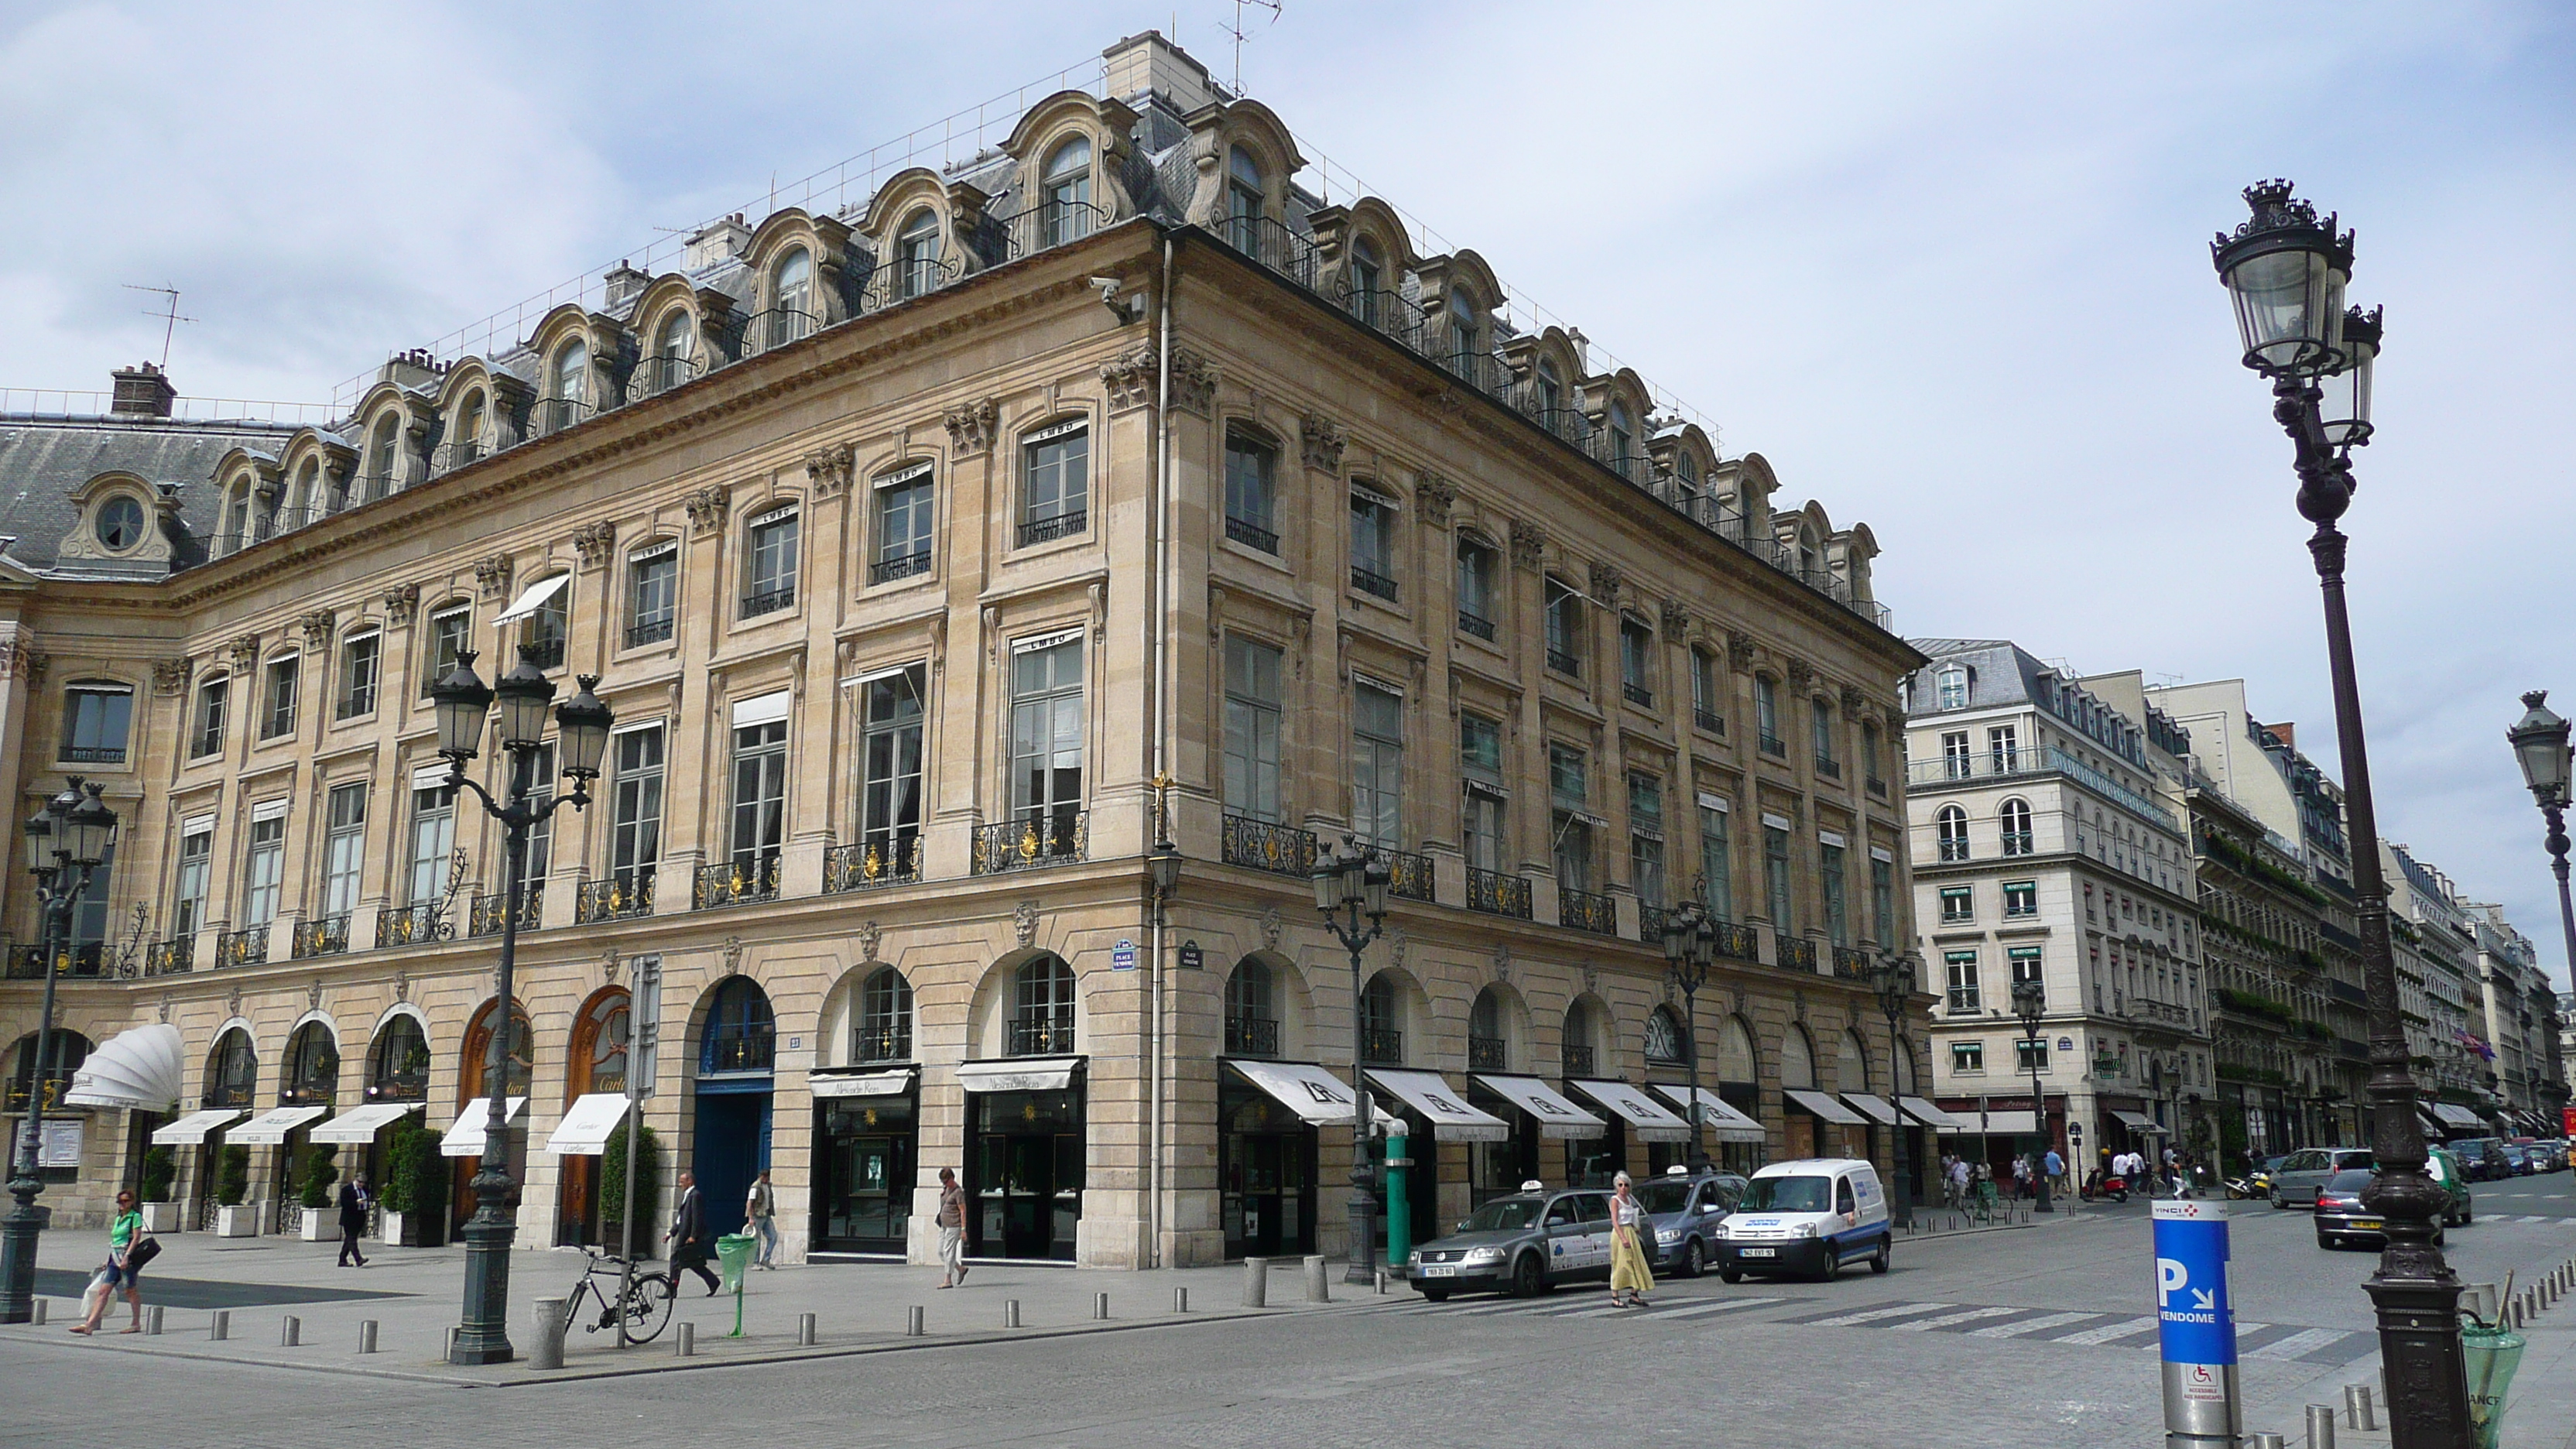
{"x":1690,"y":950}
{"x":463,"y":703}
{"x":1351,"y":882}
{"x":2030,"y":1003}
{"x":1894,"y":979}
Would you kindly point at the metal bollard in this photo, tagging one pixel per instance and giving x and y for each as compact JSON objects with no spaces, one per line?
{"x":1099,"y":1305}
{"x":804,"y":1330}
{"x":2320,"y":1427}
{"x":1319,"y":1286}
{"x":2265,"y":1441}
{"x":36,"y":1313}
{"x":2366,"y":1404}
{"x":1010,"y":1313}
{"x":151,"y":1321}
{"x":366,"y":1335}
{"x":546,"y":1319}
{"x":1256,"y":1282}
{"x":1180,"y":1300}
{"x":912,"y":1325}
{"x":291,"y":1333}
{"x":220,"y":1327}
{"x":686,"y":1345}
{"x":1381,"y":1282}
{"x":447,"y":1353}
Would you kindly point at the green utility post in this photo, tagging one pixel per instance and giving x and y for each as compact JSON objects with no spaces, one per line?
{"x":733,"y":1257}
{"x":1399,"y":1216}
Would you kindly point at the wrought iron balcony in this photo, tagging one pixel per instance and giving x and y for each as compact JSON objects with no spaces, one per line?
{"x":1486,"y":1054}
{"x":1953,"y":851}
{"x":321,"y":936}
{"x":1878,"y":787}
{"x":1272,"y":244}
{"x":1829,"y":767}
{"x":1382,"y":1047}
{"x":1470,"y":622}
{"x":87,"y":958}
{"x":1709,"y":720}
{"x":1565,"y":661}
{"x":1587,"y":911}
{"x":775,"y":328}
{"x":1498,"y":894}
{"x":882,"y":1043}
{"x":1774,"y":746}
{"x":554,"y":414}
{"x":245,"y":947}
{"x":490,"y":911}
{"x":1375,"y":584}
{"x":1851,"y":964}
{"x":413,"y":925}
{"x":2020,"y":763}
{"x":1050,"y":223}
{"x":546,"y":650}
{"x":1031,"y":840}
{"x":1737,"y":941}
{"x":92,"y":754}
{"x":452,"y":456}
{"x":2018,"y":842}
{"x":1650,"y":923}
{"x":865,"y":863}
{"x":1046,"y":530}
{"x":739,"y":1047}
{"x":1251,"y":1036}
{"x":1637,"y":694}
{"x":614,"y":898}
{"x":1797,"y":953}
{"x":649,"y":631}
{"x":1039,"y":1037}
{"x":1266,"y":845}
{"x":745,"y":881}
{"x":1412,"y":878}
{"x":170,"y":958}
{"x":662,"y":372}
{"x":369,"y":487}
{"x":1250,"y":534}
{"x":901,"y":279}
{"x":1576,"y":1059}
{"x":899,"y":566}
{"x":768,"y":601}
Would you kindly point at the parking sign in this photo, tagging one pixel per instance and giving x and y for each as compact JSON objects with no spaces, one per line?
{"x":2196,"y":1321}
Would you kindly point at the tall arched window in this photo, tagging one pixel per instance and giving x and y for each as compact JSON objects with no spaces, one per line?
{"x":1623,"y":440}
{"x":1551,"y":396}
{"x":1042,"y":1009}
{"x":234,"y":535}
{"x":1952,"y":680}
{"x":1851,"y":1068}
{"x":232,"y":1071}
{"x":674,"y":358}
{"x":304,"y":500}
{"x":1065,"y":192}
{"x":567,"y":387}
{"x":1735,"y":1058}
{"x":1952,"y":824}
{"x":1577,"y":1043}
{"x":1797,"y":1061}
{"x":916,"y":254}
{"x":1466,"y":333}
{"x":1667,"y":1044}
{"x":465,"y":443}
{"x":1251,"y":1010}
{"x":1487,"y":1049}
{"x":1381,"y":1023}
{"x":398,"y":1063}
{"x":518,"y":1056}
{"x":791,"y":292}
{"x":742,"y":1033}
{"x":1364,"y":281}
{"x":383,"y":449}
{"x":312,"y":1067}
{"x":1246,"y":202}
{"x":2016,"y":822}
{"x":885,"y":1018}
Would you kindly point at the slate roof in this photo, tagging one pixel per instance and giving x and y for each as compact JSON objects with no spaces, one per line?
{"x":44,"y":459}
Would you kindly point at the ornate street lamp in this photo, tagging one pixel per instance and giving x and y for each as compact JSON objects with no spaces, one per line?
{"x":581,"y":725}
{"x":66,"y":841}
{"x":2540,"y":743}
{"x":1894,"y":980}
{"x":2030,"y":1003}
{"x":2286,"y":272}
{"x":1690,"y":949}
{"x":1351,"y":882}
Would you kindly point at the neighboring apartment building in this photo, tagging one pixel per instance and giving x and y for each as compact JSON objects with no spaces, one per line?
{"x":930,"y":594}
{"x":2520,"y":1025}
{"x":2435,"y":943}
{"x":2567,"y":1043}
{"x":2041,"y":851}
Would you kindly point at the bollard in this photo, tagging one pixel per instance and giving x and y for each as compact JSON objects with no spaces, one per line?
{"x":546,"y":1319}
{"x":1099,"y":1305}
{"x":291,"y":1333}
{"x":220,"y":1327}
{"x":151,"y":1321}
{"x":2320,"y":1427}
{"x":1381,"y":1282}
{"x":912,"y":1325}
{"x":366,"y":1335}
{"x":804,"y":1330}
{"x":1180,"y":1300}
{"x":1010,"y":1313}
{"x":2369,"y":1407}
{"x":36,"y":1312}
{"x":2265,"y":1441}
{"x":1319,"y":1287}
{"x":686,"y":1345}
{"x":1256,"y":1282}
{"x":448,"y":1354}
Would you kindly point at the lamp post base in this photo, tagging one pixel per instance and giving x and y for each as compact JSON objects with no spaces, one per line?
{"x":1363,"y":1250}
{"x":484,"y":1336}
{"x":19,"y":1228}
{"x":2419,"y":1341}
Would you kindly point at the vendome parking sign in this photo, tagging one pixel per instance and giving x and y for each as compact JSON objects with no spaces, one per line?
{"x":2196,"y":1321}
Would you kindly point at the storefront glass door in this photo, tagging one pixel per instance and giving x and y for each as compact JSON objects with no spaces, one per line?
{"x":865,"y":1201}
{"x":1266,"y":1173}
{"x":1026,"y":1174}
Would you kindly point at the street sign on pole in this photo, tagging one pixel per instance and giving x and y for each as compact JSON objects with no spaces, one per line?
{"x":2196,"y":1325}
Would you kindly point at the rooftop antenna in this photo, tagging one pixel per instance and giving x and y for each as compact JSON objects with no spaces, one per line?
{"x":170,"y":318}
{"x":1240,"y":34}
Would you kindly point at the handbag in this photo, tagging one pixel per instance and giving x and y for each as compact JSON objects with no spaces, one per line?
{"x":143,"y":1250}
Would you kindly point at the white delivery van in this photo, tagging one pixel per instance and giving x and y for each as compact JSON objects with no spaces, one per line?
{"x":1810,"y":1218}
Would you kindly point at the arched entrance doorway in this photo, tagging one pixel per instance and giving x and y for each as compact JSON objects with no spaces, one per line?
{"x":736,"y":1051}
{"x":472,"y":1081}
{"x":1739,"y":1084}
{"x":597,"y":1064}
{"x":867,"y":1100}
{"x":1025,"y":1174}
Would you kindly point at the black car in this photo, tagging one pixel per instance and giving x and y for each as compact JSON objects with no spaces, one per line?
{"x":2342,"y":1220}
{"x":2481,"y":1158}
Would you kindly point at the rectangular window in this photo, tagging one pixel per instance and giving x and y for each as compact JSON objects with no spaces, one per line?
{"x":277,"y":717}
{"x":2003,"y":748}
{"x":1636,"y":663}
{"x":1568,"y":787}
{"x":1968,"y":1057}
{"x":905,"y":512}
{"x":2027,"y":967}
{"x":1046,"y":737}
{"x":1372,"y":545}
{"x":264,"y":867}
{"x":1252,"y":711}
{"x":1954,"y":754}
{"x":1766,"y":716}
{"x":547,"y":632}
{"x":1716,"y":867}
{"x":1775,"y":874}
{"x":449,"y":633}
{"x":2021,"y":898}
{"x":1837,"y":903}
{"x":541,"y":836}
{"x":207,"y":736}
{"x":759,"y":796}
{"x":92,"y":921}
{"x":1251,"y":467}
{"x":769,"y":563}
{"x":890,"y":788}
{"x":635,"y":810}
{"x":188,"y":896}
{"x":1821,"y":716}
{"x":1882,"y":900}
{"x":1377,"y":766}
{"x":360,"y":663}
{"x":1965,"y":999}
{"x":652,"y":593}
{"x":344,"y":848}
{"x":433,"y":841}
{"x":1646,"y":837}
{"x":1482,"y":826}
{"x":1567,"y":776}
{"x":1055,"y":491}
{"x":1705,"y":712}
{"x":1957,"y":905}
{"x":1477,"y":567}
{"x":1480,"y":759}
{"x":2030,"y":1055}
{"x":1564,"y":629}
{"x":95,"y":721}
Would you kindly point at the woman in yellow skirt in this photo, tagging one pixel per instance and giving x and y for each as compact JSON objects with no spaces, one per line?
{"x":1630,"y":1276}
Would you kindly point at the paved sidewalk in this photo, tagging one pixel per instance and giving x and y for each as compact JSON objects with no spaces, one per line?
{"x":415,"y":1294}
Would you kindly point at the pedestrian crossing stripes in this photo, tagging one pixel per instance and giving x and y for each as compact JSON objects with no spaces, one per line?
{"x":2277,"y":1342}
{"x":2110,"y":1332}
{"x":1586,"y":1308}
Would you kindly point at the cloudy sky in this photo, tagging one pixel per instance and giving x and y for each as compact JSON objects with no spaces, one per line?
{"x":1945,"y":266}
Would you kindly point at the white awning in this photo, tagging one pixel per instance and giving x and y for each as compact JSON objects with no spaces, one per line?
{"x":1725,"y":1123}
{"x":2432,"y":1124}
{"x":1556,"y":1116}
{"x":1826,"y":1107}
{"x":269,"y":1128}
{"x":533,"y":598}
{"x":1644,"y":1115}
{"x":2458,"y":1116}
{"x":140,"y":1070}
{"x":1875,"y":1108}
{"x":1019,"y":1074}
{"x":359,"y":1125}
{"x":465,"y":1135}
{"x":191,"y":1130}
{"x":1931,"y":1116}
{"x":887,"y":1082}
{"x":1315,"y":1095}
{"x":2138,"y":1121}
{"x":1451,"y":1117}
{"x":587,"y":1124}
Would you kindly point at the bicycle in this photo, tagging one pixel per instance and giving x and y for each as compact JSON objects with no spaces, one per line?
{"x":647,"y":1306}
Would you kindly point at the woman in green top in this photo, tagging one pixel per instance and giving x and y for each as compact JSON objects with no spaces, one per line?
{"x":121,"y":1236}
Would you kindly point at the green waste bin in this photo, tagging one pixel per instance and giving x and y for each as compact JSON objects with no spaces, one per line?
{"x":2492,"y":1355}
{"x":733,"y":1258}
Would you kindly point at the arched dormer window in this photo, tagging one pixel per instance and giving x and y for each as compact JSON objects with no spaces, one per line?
{"x":791,"y":303}
{"x":465,"y":440}
{"x":1364,"y":281}
{"x":1251,"y":1011}
{"x":567,"y":387}
{"x":383,"y":450}
{"x":1466,"y":333}
{"x":304,"y":500}
{"x":1952,"y":682}
{"x":674,"y":359}
{"x":1952,"y":827}
{"x":885,"y":1018}
{"x":2015,"y":817}
{"x":1623,"y":441}
{"x":1551,"y":395}
{"x":1064,"y":191}
{"x":916,"y":255}
{"x":1246,"y":202}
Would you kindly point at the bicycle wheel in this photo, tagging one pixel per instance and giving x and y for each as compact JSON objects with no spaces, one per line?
{"x":648,"y":1307}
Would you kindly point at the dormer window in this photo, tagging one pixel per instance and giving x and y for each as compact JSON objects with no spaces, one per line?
{"x":120,"y":523}
{"x":1065,"y":192}
{"x":1953,"y":684}
{"x":1623,"y":441}
{"x":567,"y":387}
{"x":916,"y":255}
{"x":304,"y":503}
{"x":674,"y":352}
{"x":235,"y":534}
{"x":1366,"y":277}
{"x":465,"y":443}
{"x":1246,"y":202}
{"x":1464,"y":334}
{"x":791,"y":298}
{"x":383,"y":447}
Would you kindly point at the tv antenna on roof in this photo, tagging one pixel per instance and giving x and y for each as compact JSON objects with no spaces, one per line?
{"x":1240,"y":34}
{"x":170,"y":318}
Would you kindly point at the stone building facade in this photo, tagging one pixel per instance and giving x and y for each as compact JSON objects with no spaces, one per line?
{"x":941,"y":557}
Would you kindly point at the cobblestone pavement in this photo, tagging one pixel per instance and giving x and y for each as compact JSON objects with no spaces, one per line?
{"x":2024,"y":1337}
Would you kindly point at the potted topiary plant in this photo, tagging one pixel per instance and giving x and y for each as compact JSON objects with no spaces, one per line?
{"x":612,"y":1190}
{"x":233,"y":1217}
{"x":414,"y":1195}
{"x":314,"y":1192}
{"x":160,"y":1171}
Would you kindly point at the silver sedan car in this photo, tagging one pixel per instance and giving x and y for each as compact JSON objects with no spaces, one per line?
{"x":1523,"y":1244}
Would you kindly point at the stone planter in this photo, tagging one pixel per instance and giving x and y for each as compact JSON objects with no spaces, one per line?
{"x":317,"y":1222}
{"x":397,"y":1230}
{"x":241,"y":1220}
{"x":163,"y":1217}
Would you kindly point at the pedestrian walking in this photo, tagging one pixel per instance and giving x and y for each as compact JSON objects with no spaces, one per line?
{"x":124,"y":1268}
{"x":760,"y":1209}
{"x":2021,"y":1176}
{"x":1630,"y":1276}
{"x":353,"y":1219}
{"x":952,"y":1228}
{"x":688,"y":1237}
{"x":2056,"y":1166}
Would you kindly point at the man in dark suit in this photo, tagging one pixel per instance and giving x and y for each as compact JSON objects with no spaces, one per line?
{"x":353,"y":1219}
{"x":688,"y":1235}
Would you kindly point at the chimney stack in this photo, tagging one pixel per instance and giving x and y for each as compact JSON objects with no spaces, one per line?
{"x":142,"y":392}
